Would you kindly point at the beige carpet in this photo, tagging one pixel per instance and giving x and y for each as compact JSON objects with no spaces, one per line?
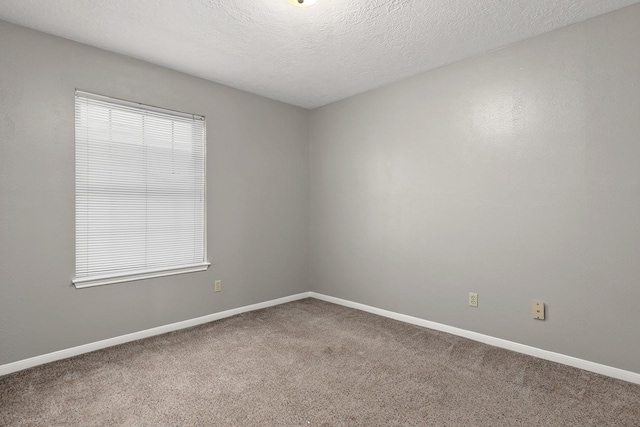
{"x":311,"y":363}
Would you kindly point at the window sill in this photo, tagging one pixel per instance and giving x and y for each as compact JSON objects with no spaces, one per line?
{"x":89,"y":282}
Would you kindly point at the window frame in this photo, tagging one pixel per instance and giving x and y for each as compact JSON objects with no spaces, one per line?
{"x":147,"y":273}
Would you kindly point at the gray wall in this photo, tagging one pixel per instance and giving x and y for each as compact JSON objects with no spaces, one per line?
{"x":515,"y":175}
{"x":257,"y":197}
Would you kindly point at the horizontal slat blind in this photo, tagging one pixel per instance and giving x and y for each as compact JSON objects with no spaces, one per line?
{"x":140,"y":188}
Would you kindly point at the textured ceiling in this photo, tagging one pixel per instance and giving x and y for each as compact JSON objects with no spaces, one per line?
{"x":303,"y":56}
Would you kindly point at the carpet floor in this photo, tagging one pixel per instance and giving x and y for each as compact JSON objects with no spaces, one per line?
{"x":312,"y":363}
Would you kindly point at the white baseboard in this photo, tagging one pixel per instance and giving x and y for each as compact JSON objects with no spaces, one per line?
{"x":86,"y":348}
{"x":586,"y":365}
{"x":609,"y":371}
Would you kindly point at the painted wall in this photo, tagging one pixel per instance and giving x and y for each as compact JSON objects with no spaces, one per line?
{"x":257,"y":197}
{"x":514,"y":175}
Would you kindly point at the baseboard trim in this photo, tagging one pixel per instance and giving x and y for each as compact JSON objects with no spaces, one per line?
{"x":586,"y":365}
{"x":98,"y":345}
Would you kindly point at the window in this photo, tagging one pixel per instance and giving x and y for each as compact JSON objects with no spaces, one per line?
{"x":140,"y":191}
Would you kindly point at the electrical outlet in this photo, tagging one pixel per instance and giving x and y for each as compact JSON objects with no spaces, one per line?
{"x":217,"y":285}
{"x":473,"y":299}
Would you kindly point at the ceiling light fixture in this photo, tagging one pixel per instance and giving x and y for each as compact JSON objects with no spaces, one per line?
{"x":302,"y":3}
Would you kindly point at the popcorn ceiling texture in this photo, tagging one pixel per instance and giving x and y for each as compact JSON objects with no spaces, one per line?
{"x":307,"y":57}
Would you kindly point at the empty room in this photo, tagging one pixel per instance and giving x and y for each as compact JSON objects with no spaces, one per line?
{"x":319,"y":213}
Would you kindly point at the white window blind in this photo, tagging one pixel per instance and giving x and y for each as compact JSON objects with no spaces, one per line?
{"x":140,"y":191}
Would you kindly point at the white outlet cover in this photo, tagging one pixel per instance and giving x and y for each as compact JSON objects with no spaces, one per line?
{"x":473,"y":299}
